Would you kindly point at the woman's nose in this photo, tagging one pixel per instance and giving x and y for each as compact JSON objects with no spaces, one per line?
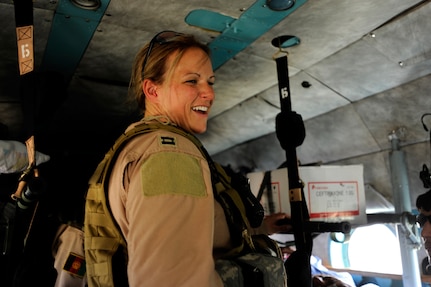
{"x":208,"y":92}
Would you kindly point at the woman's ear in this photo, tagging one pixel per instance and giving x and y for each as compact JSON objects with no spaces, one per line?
{"x":150,"y":90}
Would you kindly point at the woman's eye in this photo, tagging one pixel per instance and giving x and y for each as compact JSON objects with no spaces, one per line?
{"x":192,"y":81}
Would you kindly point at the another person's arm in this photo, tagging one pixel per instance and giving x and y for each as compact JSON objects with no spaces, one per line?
{"x":274,"y":223}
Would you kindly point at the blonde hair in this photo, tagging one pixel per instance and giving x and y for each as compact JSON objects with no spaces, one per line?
{"x":155,"y":68}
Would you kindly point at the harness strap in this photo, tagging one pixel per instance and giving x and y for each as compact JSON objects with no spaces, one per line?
{"x":266,"y":185}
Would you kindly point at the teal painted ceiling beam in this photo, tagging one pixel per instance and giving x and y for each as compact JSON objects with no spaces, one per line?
{"x":237,"y":34}
{"x":71,"y":32}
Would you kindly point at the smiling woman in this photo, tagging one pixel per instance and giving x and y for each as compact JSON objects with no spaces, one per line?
{"x":187,"y":95}
{"x":173,"y":77}
{"x":162,"y":184}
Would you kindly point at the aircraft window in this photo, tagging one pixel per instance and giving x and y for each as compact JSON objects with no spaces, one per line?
{"x":373,"y":248}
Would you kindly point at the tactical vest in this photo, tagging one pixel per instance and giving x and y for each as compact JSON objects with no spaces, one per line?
{"x":104,"y":244}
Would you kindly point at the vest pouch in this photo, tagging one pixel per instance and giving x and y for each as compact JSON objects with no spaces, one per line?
{"x":229,"y":272}
{"x":266,"y":270}
{"x":253,"y":276}
{"x":264,"y":244}
{"x":252,"y":270}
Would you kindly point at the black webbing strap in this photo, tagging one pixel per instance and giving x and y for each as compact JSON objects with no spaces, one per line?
{"x":27,"y":92}
{"x":299,"y":210}
{"x":24,"y":30}
{"x":283,"y":83}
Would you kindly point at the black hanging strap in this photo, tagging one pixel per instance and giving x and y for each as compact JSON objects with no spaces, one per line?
{"x":296,"y":193}
{"x":24,"y":31}
{"x":283,"y":83}
{"x":298,"y":264}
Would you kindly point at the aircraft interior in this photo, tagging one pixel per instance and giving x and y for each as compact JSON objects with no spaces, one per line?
{"x":357,"y":72}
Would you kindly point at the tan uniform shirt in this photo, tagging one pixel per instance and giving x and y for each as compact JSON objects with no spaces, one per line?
{"x":161,"y":195}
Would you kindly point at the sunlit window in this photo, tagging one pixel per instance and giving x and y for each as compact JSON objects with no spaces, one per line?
{"x":373,"y":248}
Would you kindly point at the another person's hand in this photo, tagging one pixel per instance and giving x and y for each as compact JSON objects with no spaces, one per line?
{"x":328,"y":281}
{"x":276,"y":223}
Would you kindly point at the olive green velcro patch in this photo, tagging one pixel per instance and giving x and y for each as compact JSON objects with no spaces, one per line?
{"x":172,"y":173}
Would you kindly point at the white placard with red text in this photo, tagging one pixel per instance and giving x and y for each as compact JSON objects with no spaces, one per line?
{"x":332,"y":193}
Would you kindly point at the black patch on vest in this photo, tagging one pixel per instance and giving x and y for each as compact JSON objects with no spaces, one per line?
{"x":168,"y":141}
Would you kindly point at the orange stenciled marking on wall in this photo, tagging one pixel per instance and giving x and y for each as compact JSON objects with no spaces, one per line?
{"x":25,"y":49}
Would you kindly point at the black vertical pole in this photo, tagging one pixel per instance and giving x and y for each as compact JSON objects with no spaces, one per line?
{"x":298,"y":264}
